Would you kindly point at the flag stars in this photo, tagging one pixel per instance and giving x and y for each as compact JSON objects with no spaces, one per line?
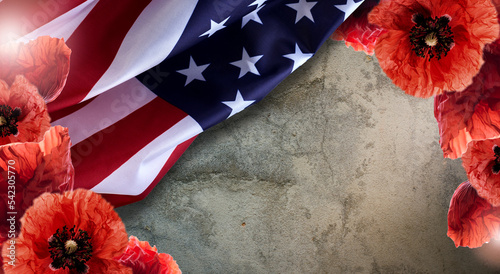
{"x":214,"y":27}
{"x":258,"y":3}
{"x":298,"y":57}
{"x":349,"y":7}
{"x":252,"y":16}
{"x":247,"y":64}
{"x":193,"y":71}
{"x":238,"y":104}
{"x":303,"y":9}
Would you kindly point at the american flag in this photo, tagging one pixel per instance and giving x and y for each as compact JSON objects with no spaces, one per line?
{"x":147,"y":77}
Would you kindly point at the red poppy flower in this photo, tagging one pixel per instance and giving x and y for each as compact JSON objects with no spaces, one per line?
{"x":472,"y":221}
{"x":31,"y":169}
{"x":23,"y":113}
{"x":144,"y":259}
{"x":74,"y":232}
{"x":432,"y":46}
{"x":44,"y":62}
{"x":357,"y":32}
{"x":474,"y":113}
{"x":482,"y":164}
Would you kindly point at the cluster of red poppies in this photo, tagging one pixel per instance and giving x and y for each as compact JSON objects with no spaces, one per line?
{"x":448,"y":49}
{"x":47,"y":226}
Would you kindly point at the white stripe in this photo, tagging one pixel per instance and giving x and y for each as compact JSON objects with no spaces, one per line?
{"x":106,"y":109}
{"x":64,"y":25}
{"x":148,"y":42}
{"x":135,"y":175}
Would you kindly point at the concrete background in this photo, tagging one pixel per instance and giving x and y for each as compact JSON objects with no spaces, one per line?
{"x":336,"y":171}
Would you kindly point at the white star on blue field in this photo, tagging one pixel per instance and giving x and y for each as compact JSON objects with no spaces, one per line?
{"x":230,"y":55}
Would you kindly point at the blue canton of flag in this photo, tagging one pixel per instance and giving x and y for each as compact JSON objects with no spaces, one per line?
{"x":232,"y":53}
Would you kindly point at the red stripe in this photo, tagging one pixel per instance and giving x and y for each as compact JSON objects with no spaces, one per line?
{"x":96,"y":157}
{"x":121,"y":200}
{"x":23,"y":16}
{"x":94,"y":45}
{"x":56,"y":115}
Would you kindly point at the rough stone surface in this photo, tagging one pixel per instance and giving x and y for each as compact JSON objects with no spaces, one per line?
{"x":335,"y":171}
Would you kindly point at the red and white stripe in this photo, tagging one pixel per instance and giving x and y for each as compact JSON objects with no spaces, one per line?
{"x":124,"y":137}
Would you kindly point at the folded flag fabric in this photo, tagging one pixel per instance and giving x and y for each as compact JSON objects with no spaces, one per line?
{"x":147,"y":77}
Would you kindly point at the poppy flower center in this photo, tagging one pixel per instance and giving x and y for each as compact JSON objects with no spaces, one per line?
{"x":70,"y":249}
{"x":8,"y":120}
{"x":496,"y":162}
{"x":431,"y":37}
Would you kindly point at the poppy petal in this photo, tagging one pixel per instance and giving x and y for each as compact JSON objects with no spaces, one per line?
{"x":474,"y":113}
{"x":357,"y":32}
{"x":143,"y":258}
{"x":34,"y":168}
{"x":44,"y":62}
{"x":34,"y":118}
{"x":480,"y":162}
{"x":472,"y":221}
